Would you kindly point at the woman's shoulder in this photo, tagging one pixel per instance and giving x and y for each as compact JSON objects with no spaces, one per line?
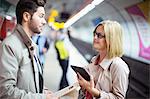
{"x":120,"y":65}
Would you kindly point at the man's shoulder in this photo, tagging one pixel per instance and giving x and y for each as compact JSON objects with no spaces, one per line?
{"x":12,"y":40}
{"x":14,"y":43}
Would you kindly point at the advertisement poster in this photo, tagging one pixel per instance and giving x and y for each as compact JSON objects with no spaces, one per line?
{"x":143,"y":29}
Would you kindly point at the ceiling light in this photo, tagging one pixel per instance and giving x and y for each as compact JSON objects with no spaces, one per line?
{"x":83,"y":12}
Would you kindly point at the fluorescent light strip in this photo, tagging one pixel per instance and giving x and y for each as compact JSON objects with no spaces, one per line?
{"x":83,"y":12}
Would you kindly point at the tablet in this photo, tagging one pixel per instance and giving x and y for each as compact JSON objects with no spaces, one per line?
{"x":82,"y":72}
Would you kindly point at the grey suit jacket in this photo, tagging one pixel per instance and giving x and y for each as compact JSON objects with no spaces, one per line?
{"x":17,"y":70}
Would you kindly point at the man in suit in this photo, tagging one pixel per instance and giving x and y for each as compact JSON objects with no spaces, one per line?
{"x":20,"y":69}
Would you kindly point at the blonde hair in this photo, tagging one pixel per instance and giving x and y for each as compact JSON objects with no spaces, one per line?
{"x":113,"y":35}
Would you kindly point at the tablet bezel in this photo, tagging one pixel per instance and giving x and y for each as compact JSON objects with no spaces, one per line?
{"x":81,"y":71}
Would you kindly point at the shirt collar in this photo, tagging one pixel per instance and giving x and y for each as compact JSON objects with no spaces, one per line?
{"x":105,"y":62}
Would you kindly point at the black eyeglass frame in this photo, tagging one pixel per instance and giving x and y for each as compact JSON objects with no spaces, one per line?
{"x":99,"y":35}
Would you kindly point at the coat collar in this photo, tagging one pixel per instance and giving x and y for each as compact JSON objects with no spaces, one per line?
{"x":26,"y":39}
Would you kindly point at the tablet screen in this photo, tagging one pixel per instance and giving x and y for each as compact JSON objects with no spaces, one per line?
{"x":82,"y":72}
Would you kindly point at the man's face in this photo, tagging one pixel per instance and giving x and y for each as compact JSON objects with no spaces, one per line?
{"x":37,"y":21}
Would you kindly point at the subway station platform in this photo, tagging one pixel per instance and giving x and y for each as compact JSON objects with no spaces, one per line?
{"x":139,"y":71}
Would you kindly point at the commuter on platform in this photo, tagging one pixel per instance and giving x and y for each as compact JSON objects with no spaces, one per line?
{"x":109,"y":73}
{"x":21,"y":75}
{"x":63,"y":57}
{"x":43,"y":46}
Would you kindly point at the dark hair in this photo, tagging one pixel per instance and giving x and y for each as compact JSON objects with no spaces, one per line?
{"x":97,"y":27}
{"x":27,"y":6}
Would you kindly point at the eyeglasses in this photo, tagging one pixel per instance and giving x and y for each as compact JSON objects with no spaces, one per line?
{"x":99,"y":35}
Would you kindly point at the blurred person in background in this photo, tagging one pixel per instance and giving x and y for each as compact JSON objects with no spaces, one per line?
{"x":21,"y":75}
{"x":43,"y":46}
{"x":63,"y":57}
{"x":109,"y":73}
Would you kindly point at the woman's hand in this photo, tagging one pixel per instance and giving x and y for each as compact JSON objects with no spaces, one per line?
{"x":85,"y":84}
{"x":88,"y":85}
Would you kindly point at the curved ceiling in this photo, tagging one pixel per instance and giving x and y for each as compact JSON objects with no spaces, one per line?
{"x":74,"y":6}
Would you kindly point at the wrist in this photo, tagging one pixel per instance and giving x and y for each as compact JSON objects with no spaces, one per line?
{"x":96,"y":93}
{"x":99,"y":95}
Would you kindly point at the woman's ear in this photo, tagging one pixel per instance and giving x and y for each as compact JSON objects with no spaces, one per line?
{"x":26,"y":16}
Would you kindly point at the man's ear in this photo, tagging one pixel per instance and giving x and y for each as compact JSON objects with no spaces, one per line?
{"x":26,"y":16}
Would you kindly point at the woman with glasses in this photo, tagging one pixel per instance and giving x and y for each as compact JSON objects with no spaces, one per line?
{"x":109,"y":73}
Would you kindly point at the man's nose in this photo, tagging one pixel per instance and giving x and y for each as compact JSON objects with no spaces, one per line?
{"x":44,"y":21}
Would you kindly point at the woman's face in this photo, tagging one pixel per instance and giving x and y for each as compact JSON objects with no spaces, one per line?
{"x":99,"y":42}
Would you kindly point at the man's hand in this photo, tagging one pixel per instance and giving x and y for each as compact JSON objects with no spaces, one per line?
{"x":50,"y":95}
